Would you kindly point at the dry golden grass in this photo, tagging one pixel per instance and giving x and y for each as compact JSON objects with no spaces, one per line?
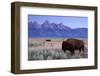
{"x":53,"y":44}
{"x":40,"y":49}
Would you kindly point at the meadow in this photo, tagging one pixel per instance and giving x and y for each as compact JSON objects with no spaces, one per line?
{"x":51,"y":49}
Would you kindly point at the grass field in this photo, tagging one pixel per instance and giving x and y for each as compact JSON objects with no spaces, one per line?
{"x":50,"y":49}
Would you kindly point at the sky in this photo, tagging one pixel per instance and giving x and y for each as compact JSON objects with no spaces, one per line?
{"x":70,"y":21}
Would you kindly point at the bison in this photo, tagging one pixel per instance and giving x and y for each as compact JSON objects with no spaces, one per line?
{"x":48,"y":40}
{"x":72,"y":45}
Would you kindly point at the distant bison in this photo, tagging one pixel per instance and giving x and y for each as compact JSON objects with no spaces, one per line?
{"x":72,"y":45}
{"x":48,"y":40}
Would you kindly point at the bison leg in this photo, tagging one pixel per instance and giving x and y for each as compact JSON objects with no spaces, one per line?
{"x":80,"y":49}
{"x":72,"y":52}
{"x":83,"y":48}
{"x":64,"y":51}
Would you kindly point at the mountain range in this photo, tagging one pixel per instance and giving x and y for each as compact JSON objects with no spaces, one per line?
{"x":54,"y":30}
